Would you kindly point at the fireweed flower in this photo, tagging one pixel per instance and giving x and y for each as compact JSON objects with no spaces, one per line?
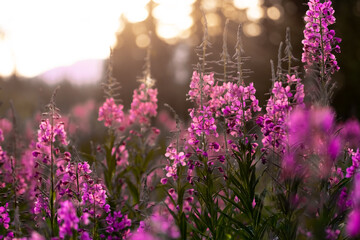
{"x":203,"y":124}
{"x":5,"y":170}
{"x":4,"y":216}
{"x":94,"y":195}
{"x":67,"y":219}
{"x":50,"y":131}
{"x":41,"y":205}
{"x":281,"y":102}
{"x":235,"y":103}
{"x":46,"y":131}
{"x":111,"y":113}
{"x":336,"y":175}
{"x":144,"y":104}
{"x":160,"y":224}
{"x":200,"y":89}
{"x":353,"y":221}
{"x":44,"y":135}
{"x":311,"y":131}
{"x":67,"y":174}
{"x":344,"y":202}
{"x":144,"y":235}
{"x":350,"y":133}
{"x":121,"y":155}
{"x":118,"y":223}
{"x":34,"y":236}
{"x":240,"y":104}
{"x":332,"y":234}
{"x":26,"y":178}
{"x":174,"y":159}
{"x":319,"y":41}
{"x":6,"y":126}
{"x":156,"y":227}
{"x":355,"y":157}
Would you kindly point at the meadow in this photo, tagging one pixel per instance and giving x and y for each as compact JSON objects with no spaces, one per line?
{"x":235,"y":170}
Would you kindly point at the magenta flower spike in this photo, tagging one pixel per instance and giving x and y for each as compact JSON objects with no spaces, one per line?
{"x":319,"y":42}
{"x":67,"y":219}
{"x":111,"y":113}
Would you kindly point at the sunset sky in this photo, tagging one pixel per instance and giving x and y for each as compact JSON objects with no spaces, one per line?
{"x":39,"y":35}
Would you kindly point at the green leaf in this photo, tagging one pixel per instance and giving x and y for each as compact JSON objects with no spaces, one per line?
{"x":183,"y":226}
{"x":133,"y":190}
{"x":239,"y":225}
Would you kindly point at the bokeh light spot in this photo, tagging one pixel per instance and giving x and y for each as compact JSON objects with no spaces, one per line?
{"x":273,"y":13}
{"x":142,"y":41}
{"x":252,"y":29}
{"x":210,"y":5}
{"x":244,"y":4}
{"x":173,"y":19}
{"x":166,"y":31}
{"x":254,"y":13}
{"x":138,"y":15}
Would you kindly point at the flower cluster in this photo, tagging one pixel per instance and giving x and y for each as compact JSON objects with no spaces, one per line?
{"x":214,"y":185}
{"x":5,"y":170}
{"x":41,"y":205}
{"x":350,"y":133}
{"x":273,"y":123}
{"x":144,"y":104}
{"x":5,"y":223}
{"x":111,"y":113}
{"x":355,"y":157}
{"x":70,"y":177}
{"x":240,"y":104}
{"x":4,"y":216}
{"x":353,"y":221}
{"x":67,"y":218}
{"x":119,"y":224}
{"x":121,"y":154}
{"x":175,"y":158}
{"x":94,"y":195}
{"x":203,"y":122}
{"x":229,"y":105}
{"x":319,"y":40}
{"x":155,"y":228}
{"x":310,"y":131}
{"x":200,"y":88}
{"x":47,"y":131}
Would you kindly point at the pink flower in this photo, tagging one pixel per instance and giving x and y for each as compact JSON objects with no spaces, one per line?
{"x":353,"y":223}
{"x":253,"y":204}
{"x":144,"y":105}
{"x":319,"y":40}
{"x":67,"y":219}
{"x":111,"y":113}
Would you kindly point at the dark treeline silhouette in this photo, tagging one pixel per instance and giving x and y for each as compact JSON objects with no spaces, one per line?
{"x":128,"y":62}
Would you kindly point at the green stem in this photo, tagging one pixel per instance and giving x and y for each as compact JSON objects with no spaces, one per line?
{"x":52,"y":177}
{"x":95,"y":220}
{"x":322,"y":67}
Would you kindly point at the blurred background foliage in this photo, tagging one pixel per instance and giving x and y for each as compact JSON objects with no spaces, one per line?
{"x":173,"y":55}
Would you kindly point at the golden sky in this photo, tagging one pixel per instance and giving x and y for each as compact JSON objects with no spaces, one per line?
{"x":39,"y":35}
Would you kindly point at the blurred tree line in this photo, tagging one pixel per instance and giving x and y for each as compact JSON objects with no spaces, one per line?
{"x":168,"y":60}
{"x":129,"y":58}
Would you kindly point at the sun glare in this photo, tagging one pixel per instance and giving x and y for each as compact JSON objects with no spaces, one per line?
{"x":42,"y":35}
{"x":254,"y":13}
{"x":274,"y":13}
{"x":136,"y":10}
{"x":244,"y":4}
{"x":173,"y":18}
{"x":252,"y":29}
